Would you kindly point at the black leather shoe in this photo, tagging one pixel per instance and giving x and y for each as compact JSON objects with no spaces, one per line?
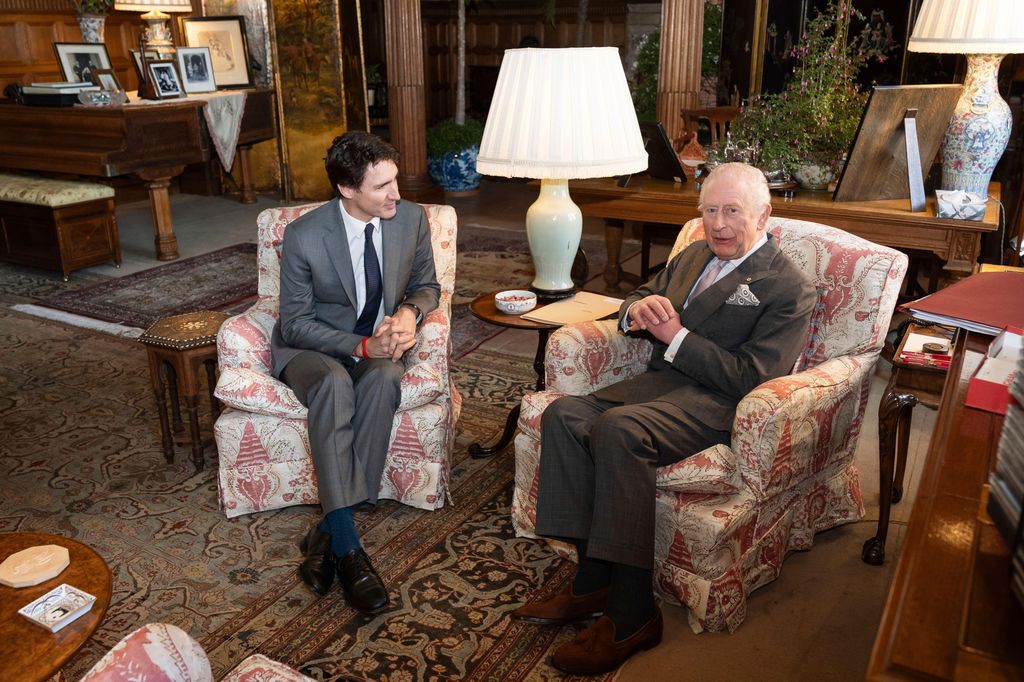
{"x":317,"y":569}
{"x":363,"y":588}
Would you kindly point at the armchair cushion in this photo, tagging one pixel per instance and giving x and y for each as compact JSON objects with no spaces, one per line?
{"x":712,"y":471}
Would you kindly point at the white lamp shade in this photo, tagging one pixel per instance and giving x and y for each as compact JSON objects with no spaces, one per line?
{"x":969,"y":27}
{"x":149,"y":5}
{"x":560,"y":114}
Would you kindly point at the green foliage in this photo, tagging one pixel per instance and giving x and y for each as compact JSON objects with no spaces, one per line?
{"x":91,"y":6}
{"x":645,"y":77}
{"x":448,"y":136}
{"x":816,"y":115}
{"x":712,"y":45}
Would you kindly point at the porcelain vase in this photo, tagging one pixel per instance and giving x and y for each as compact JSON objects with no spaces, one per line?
{"x":455,"y":171}
{"x":814,"y":175}
{"x":91,"y":26}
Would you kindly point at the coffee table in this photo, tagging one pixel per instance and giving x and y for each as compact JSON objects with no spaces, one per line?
{"x":28,"y":652}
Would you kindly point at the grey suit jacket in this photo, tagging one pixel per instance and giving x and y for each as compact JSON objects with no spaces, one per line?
{"x":318,"y":290}
{"x":731,"y":347}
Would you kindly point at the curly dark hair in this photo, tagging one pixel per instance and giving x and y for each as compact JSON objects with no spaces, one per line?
{"x":351,"y":154}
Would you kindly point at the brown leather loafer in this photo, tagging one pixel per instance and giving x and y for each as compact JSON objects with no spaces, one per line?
{"x":595,"y":650}
{"x":564,"y":607}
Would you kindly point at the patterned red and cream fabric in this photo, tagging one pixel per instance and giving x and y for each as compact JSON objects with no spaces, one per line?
{"x":728,"y":516}
{"x":261,"y":435}
{"x":164,"y":653}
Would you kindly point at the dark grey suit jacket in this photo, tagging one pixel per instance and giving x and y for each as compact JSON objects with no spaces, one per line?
{"x":730,"y":348}
{"x":318,"y":290}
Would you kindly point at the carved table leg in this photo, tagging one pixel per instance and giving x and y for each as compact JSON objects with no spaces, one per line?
{"x":156,"y":376}
{"x":211,"y":383}
{"x":157,"y":181}
{"x":193,"y":423}
{"x":248,"y":193}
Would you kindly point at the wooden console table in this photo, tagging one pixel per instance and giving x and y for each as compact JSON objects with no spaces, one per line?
{"x":154,"y":143}
{"x":889,"y":221}
{"x":950,"y":614}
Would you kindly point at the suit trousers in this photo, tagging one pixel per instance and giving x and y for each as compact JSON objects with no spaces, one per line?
{"x":597,"y":471}
{"x":350,"y":417}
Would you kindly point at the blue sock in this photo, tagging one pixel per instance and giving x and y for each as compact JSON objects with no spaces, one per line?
{"x":342,"y":527}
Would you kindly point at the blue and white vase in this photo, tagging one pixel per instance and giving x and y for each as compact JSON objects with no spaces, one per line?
{"x":455,"y":171}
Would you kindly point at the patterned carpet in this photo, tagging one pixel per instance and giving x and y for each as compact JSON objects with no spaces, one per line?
{"x":81,"y":457}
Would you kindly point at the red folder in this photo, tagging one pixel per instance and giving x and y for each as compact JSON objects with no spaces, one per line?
{"x":984,"y":302}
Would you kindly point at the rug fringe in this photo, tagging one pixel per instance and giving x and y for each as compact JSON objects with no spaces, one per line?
{"x":79,"y":320}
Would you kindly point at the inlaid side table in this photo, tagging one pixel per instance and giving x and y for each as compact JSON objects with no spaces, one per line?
{"x":178,"y":347}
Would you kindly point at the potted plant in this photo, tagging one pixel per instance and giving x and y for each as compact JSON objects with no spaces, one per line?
{"x":451,"y":154}
{"x":91,"y":17}
{"x":808,"y":127}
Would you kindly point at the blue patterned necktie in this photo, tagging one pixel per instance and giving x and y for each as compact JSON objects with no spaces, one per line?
{"x":374,"y":292}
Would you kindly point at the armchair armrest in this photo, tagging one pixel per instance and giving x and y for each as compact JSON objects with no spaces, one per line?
{"x":797,"y":425}
{"x":244,"y":340}
{"x":433,"y":342}
{"x":584,"y":357}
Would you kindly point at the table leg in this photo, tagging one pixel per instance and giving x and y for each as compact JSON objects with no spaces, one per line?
{"x":157,"y":181}
{"x":172,"y":384}
{"x":156,"y":370}
{"x":248,"y":194}
{"x":478,"y":451}
{"x":613,"y":273}
{"x":211,"y":383}
{"x":193,"y":423}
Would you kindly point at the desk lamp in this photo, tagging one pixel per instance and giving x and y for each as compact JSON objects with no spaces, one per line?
{"x":559,"y":114}
{"x":985,"y":31}
{"x":157,"y":33}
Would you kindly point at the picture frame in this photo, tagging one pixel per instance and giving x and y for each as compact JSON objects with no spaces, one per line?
{"x":166,"y":79}
{"x":151,"y":55}
{"x":107,"y":80}
{"x":196,"y":69}
{"x":78,"y":60}
{"x":229,"y":50}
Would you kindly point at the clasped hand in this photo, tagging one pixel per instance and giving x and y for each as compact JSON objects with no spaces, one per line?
{"x":395,"y":335}
{"x":657,"y":315}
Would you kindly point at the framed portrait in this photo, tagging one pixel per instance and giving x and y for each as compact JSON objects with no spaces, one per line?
{"x":107,"y":80}
{"x":229,"y":52}
{"x":137,"y":60}
{"x":78,"y":60}
{"x":196,"y":69}
{"x":166,"y":80}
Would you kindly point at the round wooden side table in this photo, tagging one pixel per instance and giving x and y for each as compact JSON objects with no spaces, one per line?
{"x":28,"y":652}
{"x":483,"y":308}
{"x":177,"y":347}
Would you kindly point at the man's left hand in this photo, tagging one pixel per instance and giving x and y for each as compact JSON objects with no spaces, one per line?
{"x":398,"y":331}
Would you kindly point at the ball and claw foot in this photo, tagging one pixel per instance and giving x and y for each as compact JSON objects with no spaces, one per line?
{"x":873,"y":552}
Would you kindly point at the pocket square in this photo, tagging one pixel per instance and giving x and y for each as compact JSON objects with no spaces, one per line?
{"x":743,"y":296}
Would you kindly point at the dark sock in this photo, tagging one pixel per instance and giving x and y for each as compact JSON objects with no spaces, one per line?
{"x":342,"y":527}
{"x":631,"y":599}
{"x":591,"y":574}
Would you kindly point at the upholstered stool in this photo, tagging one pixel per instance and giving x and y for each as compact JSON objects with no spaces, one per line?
{"x":59,"y":224}
{"x":177,"y":347}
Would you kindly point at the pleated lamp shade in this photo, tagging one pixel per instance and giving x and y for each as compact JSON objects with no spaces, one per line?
{"x":969,"y":27}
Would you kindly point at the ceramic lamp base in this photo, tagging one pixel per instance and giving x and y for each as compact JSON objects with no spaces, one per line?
{"x":978,"y":130}
{"x":554,"y":226}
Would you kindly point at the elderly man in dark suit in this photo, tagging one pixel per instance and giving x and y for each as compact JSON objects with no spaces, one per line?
{"x":357,"y":276}
{"x":727,"y":314}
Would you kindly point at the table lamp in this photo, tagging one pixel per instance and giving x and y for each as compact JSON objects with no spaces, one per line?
{"x":157,"y":33}
{"x":985,"y":31}
{"x":559,"y":114}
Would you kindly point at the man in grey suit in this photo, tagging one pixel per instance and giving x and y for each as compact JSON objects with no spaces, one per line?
{"x":357,"y":277}
{"x":727,"y":314}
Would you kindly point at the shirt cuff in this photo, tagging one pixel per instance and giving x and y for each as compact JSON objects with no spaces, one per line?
{"x":677,"y":341}
{"x":624,"y":322}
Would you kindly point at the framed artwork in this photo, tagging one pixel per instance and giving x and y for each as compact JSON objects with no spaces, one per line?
{"x":137,"y":60}
{"x":229,"y":50}
{"x":106,"y":79}
{"x":165,"y":77}
{"x":196,"y":69}
{"x":78,"y":60}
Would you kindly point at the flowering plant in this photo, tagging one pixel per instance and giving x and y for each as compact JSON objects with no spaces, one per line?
{"x":813,"y":120}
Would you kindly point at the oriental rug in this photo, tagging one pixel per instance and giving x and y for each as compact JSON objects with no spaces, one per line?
{"x":81,"y":457}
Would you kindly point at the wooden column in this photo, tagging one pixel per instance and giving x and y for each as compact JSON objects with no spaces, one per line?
{"x":682,"y":25}
{"x":407,"y":111}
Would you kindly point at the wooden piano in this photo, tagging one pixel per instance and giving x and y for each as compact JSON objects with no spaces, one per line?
{"x":153,"y":142}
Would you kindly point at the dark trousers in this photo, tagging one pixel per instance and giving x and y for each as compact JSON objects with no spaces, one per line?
{"x":597,"y":471}
{"x":350,"y":416}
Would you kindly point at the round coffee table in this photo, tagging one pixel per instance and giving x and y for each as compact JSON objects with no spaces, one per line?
{"x":27,"y":651}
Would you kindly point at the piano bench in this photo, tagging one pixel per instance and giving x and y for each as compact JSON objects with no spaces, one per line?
{"x":62,"y":225}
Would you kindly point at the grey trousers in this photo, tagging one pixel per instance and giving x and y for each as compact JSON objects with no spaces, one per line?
{"x":350,"y":416}
{"x":597,"y":471}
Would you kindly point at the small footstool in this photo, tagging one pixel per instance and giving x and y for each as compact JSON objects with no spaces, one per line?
{"x":177,"y":347}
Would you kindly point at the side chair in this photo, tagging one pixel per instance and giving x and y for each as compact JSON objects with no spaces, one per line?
{"x":262,"y":439}
{"x":728,"y":516}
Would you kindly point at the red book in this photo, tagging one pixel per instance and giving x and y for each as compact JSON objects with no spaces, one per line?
{"x":984,"y":302}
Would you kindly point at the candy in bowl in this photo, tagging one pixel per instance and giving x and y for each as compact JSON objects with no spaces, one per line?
{"x":515,"y":301}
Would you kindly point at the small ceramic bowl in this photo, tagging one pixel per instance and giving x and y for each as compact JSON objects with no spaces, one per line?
{"x":515,"y":301}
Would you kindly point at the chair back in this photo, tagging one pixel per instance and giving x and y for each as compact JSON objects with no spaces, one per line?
{"x":719,"y":119}
{"x":271,"y":224}
{"x":857,"y":283}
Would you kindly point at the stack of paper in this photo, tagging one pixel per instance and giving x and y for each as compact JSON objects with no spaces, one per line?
{"x":985,"y":302}
{"x":583,"y":307}
{"x":58,"y":88}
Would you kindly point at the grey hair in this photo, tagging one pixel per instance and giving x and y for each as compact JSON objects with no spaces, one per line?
{"x":753,"y":185}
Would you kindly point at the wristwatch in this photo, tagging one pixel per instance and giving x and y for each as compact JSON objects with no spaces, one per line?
{"x":415,"y":309}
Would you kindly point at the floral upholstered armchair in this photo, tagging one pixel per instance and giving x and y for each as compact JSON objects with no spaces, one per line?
{"x":262,"y":441}
{"x":729,"y":515}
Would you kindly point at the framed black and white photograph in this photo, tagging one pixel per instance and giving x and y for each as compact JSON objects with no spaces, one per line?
{"x":137,"y":60}
{"x":196,"y":69}
{"x":107,"y":80}
{"x":78,"y":60}
{"x":165,"y":79}
{"x":229,"y":52}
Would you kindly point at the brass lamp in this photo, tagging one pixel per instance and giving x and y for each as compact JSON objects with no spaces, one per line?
{"x":157,"y":34}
